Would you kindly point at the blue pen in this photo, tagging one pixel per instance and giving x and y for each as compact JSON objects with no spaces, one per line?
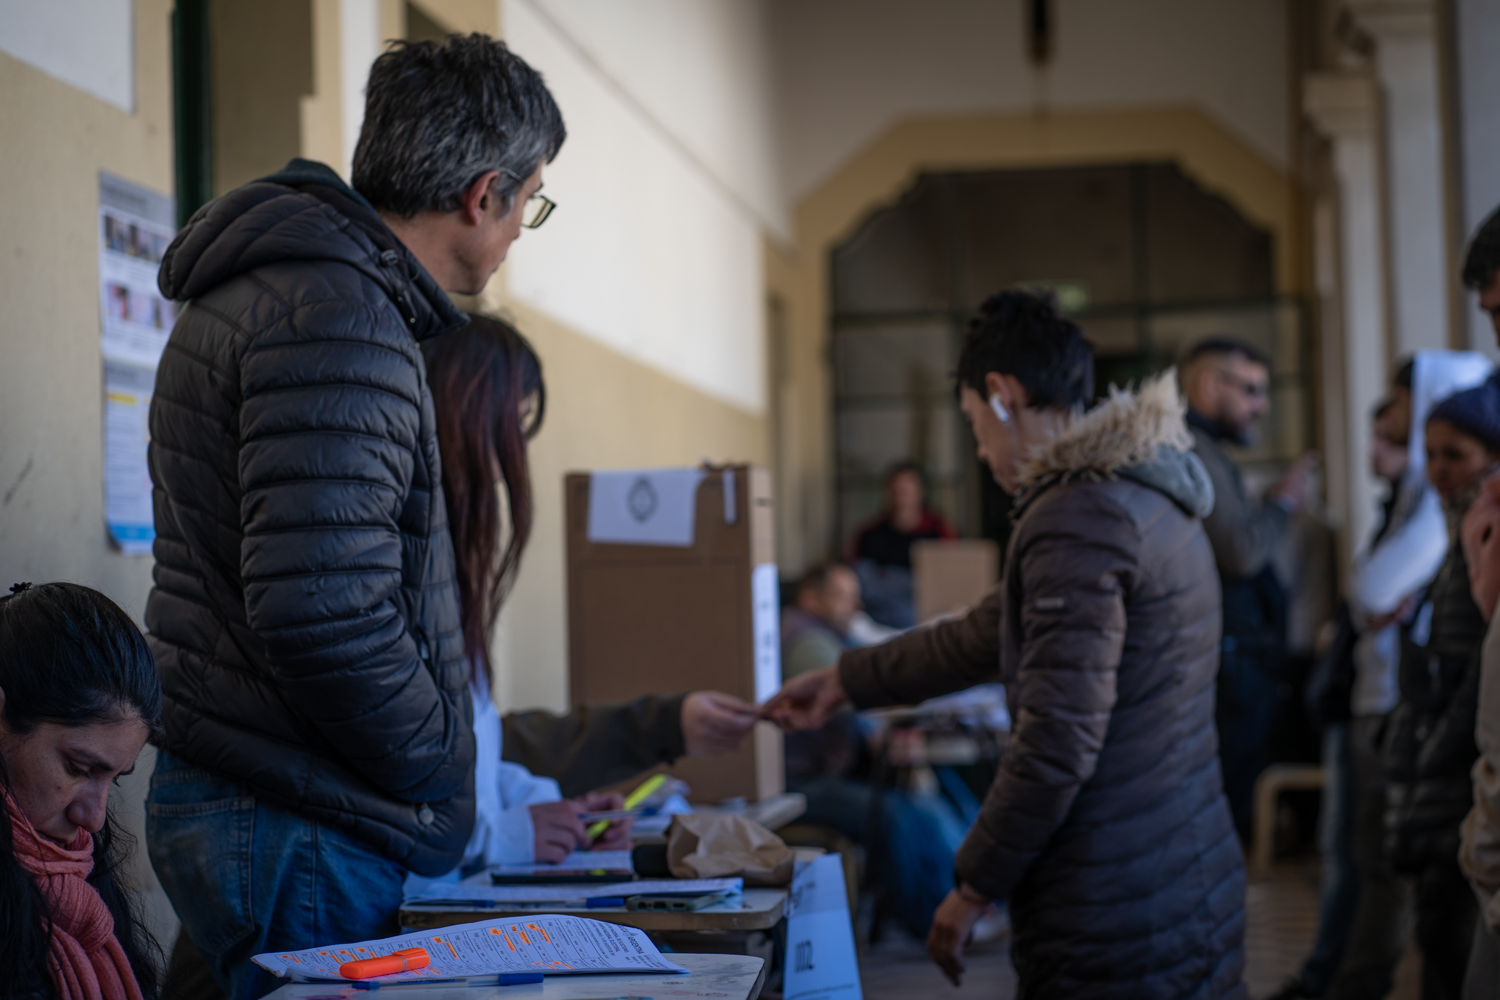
{"x":501,"y":979}
{"x":600,"y":902}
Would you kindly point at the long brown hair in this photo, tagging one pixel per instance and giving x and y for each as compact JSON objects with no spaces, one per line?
{"x":481,"y":375}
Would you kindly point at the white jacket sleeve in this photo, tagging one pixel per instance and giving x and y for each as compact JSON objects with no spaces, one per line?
{"x":513,"y":840}
{"x":1404,"y":560}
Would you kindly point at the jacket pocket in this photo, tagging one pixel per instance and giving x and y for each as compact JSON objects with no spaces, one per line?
{"x":201,"y":853}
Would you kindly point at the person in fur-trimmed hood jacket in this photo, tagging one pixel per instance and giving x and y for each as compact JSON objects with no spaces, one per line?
{"x":1106,"y":828}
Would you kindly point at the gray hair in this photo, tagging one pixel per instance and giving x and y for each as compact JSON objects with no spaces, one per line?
{"x":439,"y":116}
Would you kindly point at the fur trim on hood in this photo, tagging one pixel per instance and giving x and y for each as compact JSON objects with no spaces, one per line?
{"x":1135,"y":434}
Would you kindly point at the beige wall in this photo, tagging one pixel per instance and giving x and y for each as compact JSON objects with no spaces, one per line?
{"x":847,"y":70}
{"x":604,"y":410}
{"x":57,"y":139}
{"x":262,"y":68}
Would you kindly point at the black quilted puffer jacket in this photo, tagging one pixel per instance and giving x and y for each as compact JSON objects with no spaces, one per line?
{"x":1106,"y":828}
{"x":305,"y":614}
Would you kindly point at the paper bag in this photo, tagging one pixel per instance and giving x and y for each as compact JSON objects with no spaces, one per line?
{"x":715,"y":846}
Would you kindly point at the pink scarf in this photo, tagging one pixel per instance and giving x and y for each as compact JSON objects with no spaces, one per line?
{"x":85,"y":959}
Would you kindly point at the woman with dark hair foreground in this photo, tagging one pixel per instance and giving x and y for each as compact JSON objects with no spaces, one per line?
{"x":79,"y":697}
{"x":1106,"y":827}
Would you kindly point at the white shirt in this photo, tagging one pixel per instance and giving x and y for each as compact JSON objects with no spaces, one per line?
{"x":1404,"y":561}
{"x":503,"y":796}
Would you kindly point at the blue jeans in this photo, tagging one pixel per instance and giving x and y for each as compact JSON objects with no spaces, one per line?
{"x":247,"y":876}
{"x":1340,"y":875}
{"x":919,"y":836}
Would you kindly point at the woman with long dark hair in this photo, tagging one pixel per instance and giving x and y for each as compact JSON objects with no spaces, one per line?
{"x":490,"y":399}
{"x":79,"y":697}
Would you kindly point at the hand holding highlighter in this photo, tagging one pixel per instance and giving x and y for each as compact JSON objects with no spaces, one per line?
{"x":405,"y":960}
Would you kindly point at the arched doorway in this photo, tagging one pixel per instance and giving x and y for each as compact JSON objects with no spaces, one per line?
{"x":1140,"y":254}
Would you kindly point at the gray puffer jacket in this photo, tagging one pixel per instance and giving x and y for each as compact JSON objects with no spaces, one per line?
{"x":305,"y":615}
{"x":1106,"y":827}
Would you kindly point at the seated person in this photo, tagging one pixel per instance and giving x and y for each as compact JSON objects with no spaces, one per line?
{"x":881,"y":550}
{"x":79,"y":697}
{"x":919,"y":834}
{"x":599,"y":745}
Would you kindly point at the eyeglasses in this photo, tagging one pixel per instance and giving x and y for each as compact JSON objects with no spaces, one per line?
{"x":1252,"y":389}
{"x":536,"y":209}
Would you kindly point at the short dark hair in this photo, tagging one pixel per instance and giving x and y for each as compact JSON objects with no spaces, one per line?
{"x":439,"y":116}
{"x":1402,"y":379}
{"x":1482,"y":258}
{"x":1022,"y":334}
{"x":1221,"y":346}
{"x":815,"y":578}
{"x":904,"y":467}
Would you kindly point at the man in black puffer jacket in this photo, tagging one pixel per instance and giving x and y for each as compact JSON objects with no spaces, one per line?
{"x":305,"y":616}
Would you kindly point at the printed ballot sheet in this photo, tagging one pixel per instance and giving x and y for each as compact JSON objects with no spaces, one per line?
{"x":524,"y":895}
{"x":548,"y":943}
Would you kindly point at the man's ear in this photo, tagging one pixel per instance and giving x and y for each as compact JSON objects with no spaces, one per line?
{"x":1009,"y":388}
{"x":477,"y":197}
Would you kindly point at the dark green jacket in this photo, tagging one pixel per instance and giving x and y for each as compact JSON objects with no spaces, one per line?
{"x":596,"y":745}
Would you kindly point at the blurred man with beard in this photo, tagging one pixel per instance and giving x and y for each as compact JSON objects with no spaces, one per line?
{"x":1227,"y":384}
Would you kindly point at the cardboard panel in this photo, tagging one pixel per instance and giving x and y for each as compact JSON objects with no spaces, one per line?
{"x":949,"y":576}
{"x":662,"y":619}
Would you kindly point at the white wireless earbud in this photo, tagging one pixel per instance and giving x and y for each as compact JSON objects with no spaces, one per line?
{"x":1000,"y":411}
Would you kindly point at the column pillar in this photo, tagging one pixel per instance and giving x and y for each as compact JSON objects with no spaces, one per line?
{"x":1406,"y":65}
{"x":1345,"y":108}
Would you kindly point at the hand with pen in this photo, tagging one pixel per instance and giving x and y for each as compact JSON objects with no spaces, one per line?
{"x":559,"y":829}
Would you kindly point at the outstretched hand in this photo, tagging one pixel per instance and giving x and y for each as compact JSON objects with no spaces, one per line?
{"x":715,"y":723}
{"x":806,"y":702}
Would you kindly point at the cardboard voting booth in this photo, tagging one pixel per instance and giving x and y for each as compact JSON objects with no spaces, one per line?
{"x":951,"y":575}
{"x":672,"y":587}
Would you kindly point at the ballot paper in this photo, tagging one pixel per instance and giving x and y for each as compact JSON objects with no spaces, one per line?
{"x":552,"y":944}
{"x":644,"y":506}
{"x":500,"y":895}
{"x":578,"y":861}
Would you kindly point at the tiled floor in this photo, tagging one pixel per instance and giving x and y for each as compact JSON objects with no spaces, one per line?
{"x":1281,"y":920}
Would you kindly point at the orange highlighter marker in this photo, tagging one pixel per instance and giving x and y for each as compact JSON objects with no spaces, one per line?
{"x":405,"y":960}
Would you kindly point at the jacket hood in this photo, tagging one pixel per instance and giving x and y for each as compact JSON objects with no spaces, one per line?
{"x":1139,"y":435}
{"x":304,"y":212}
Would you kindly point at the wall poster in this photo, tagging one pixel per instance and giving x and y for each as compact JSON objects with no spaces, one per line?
{"x":136,"y":225}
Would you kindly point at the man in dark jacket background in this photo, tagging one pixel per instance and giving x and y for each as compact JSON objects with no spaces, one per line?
{"x":1227,"y":384}
{"x":305,"y":613}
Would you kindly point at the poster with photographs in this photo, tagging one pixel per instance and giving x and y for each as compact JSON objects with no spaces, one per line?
{"x":136,"y":225}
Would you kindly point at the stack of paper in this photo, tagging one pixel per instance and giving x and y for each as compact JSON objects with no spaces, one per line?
{"x":575,"y":863}
{"x":552,"y":944}
{"x":460,"y":894}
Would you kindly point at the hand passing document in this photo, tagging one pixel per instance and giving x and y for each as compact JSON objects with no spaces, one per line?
{"x":548,"y":943}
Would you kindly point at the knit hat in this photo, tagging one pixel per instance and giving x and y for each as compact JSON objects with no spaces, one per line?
{"x":1474,"y":411}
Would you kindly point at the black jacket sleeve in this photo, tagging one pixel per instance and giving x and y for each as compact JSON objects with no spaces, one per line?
{"x":329,"y":428}
{"x":596,"y":745}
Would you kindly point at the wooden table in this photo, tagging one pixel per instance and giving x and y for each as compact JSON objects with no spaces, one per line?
{"x":755,"y":910}
{"x":717,"y":976}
